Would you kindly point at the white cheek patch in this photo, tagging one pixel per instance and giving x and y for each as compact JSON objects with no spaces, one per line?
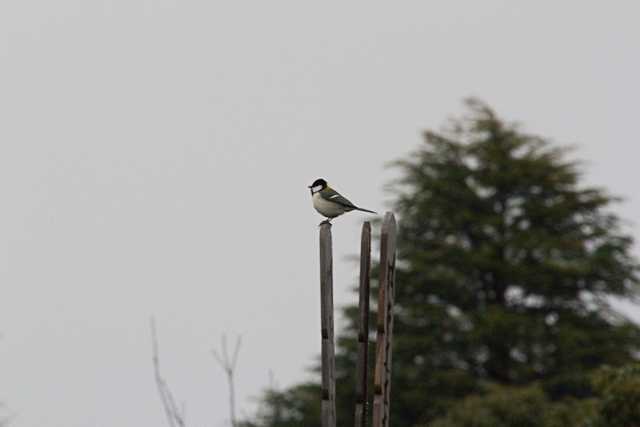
{"x":316,"y":188}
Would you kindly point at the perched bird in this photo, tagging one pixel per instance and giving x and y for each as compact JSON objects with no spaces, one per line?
{"x":329,"y":202}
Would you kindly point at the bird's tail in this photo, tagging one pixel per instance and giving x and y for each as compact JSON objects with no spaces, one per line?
{"x":366,"y":210}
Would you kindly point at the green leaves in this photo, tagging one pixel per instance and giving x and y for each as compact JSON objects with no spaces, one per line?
{"x":615,"y":403}
{"x":517,"y":407}
{"x":620,"y":396}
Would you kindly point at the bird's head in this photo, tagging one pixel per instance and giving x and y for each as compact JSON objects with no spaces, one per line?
{"x":318,"y":185}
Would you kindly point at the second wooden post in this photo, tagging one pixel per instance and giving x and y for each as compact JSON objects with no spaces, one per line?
{"x":362,"y":364}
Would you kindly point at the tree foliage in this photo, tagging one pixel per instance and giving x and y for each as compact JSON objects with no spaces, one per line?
{"x":506,"y":268}
{"x":293,"y":407}
{"x":619,"y":393}
{"x":518,"y":407}
{"x":616,"y":403}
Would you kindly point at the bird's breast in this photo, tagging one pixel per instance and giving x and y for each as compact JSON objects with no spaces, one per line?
{"x":326,"y":207}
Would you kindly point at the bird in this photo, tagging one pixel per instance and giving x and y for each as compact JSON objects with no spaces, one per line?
{"x":329,"y":203}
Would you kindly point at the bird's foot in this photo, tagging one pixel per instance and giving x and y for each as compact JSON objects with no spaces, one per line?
{"x":326,"y":221}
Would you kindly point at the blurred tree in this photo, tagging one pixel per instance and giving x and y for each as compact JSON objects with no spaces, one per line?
{"x":294,"y":407}
{"x":616,"y":403}
{"x":619,"y":392}
{"x":518,"y":407}
{"x":506,"y":269}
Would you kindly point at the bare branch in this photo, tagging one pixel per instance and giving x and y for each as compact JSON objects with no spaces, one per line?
{"x":236,"y":351}
{"x":175,"y":415}
{"x":228,"y":364}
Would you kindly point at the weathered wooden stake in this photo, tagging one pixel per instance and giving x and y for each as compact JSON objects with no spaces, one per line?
{"x":328,"y":408}
{"x":382,"y":373}
{"x":363,"y":328}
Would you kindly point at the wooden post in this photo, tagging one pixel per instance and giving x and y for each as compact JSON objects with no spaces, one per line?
{"x":382,"y":373}
{"x":363,"y":328}
{"x":328,"y":407}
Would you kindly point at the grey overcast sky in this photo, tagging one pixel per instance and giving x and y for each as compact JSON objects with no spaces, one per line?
{"x":154,"y":157}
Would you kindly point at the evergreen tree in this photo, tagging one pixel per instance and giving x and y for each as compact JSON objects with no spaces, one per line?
{"x":507,"y":265}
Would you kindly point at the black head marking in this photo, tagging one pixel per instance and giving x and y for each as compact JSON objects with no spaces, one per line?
{"x":319,"y":182}
{"x":318,"y":185}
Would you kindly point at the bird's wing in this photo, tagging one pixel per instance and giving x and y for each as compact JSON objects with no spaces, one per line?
{"x":333,"y":196}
